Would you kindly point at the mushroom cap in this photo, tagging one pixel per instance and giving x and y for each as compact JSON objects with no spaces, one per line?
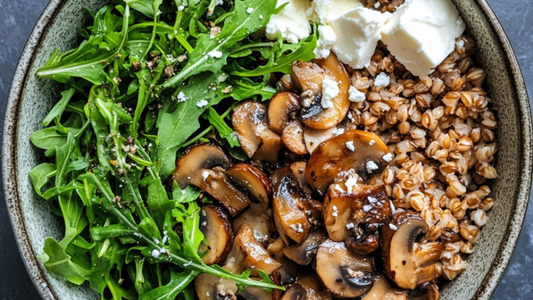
{"x":281,"y":109}
{"x":333,"y":158}
{"x":255,"y":256}
{"x":250,"y":123}
{"x":293,"y":138}
{"x":364,"y":245}
{"x":211,"y":287}
{"x":314,"y":137}
{"x":289,"y":219}
{"x":308,"y":76}
{"x":194,"y":167}
{"x":345,"y":274}
{"x":383,"y":290}
{"x":256,"y":293}
{"x":371,"y":205}
{"x":304,"y":253}
{"x":258,"y":217}
{"x":426,"y":291}
{"x":289,"y":269}
{"x":216,"y":228}
{"x":294,"y":292}
{"x":298,"y":170}
{"x":330,"y":117}
{"x":315,"y":289}
{"x":337,"y":214}
{"x":407,"y":260}
{"x":252,"y":180}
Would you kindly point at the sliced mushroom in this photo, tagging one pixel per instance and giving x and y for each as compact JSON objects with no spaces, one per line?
{"x":216,"y":228}
{"x":314,"y":288}
{"x":290,"y":220}
{"x":255,"y":256}
{"x":338,"y":213}
{"x":383,"y":290}
{"x":426,"y":291}
{"x":211,"y":287}
{"x":363,"y":245}
{"x":407,"y":260}
{"x":329,"y":117}
{"x":294,"y":292}
{"x":282,"y":110}
{"x":304,"y":253}
{"x":293,"y":138}
{"x":314,"y":137}
{"x":371,"y":205}
{"x":308,"y":76}
{"x":201,"y":166}
{"x":345,"y":274}
{"x":298,"y":170}
{"x":288,"y":270}
{"x":250,"y":123}
{"x":333,"y":157}
{"x":258,"y":217}
{"x":255,"y":293}
{"x":252,"y":180}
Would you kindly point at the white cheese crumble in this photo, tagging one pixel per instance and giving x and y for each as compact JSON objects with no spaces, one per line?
{"x":205,"y":174}
{"x":326,"y":40}
{"x":372,"y":142}
{"x":387,"y":157}
{"x":337,"y":131}
{"x":372,"y":199}
{"x":351,"y":183}
{"x":181,"y":7}
{"x":371,"y":166}
{"x":393,"y":227}
{"x":201,"y":103}
{"x":155,"y":253}
{"x":250,"y":10}
{"x":355,"y":95}
{"x":349,"y":145}
{"x":350,"y":226}
{"x":291,"y":22}
{"x":162,"y":250}
{"x":330,"y":90}
{"x":181,"y":97}
{"x":338,"y":188}
{"x":367,"y":208}
{"x":382,"y":80}
{"x":215,"y":54}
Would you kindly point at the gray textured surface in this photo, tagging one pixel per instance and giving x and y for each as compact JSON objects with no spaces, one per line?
{"x":17,"y":18}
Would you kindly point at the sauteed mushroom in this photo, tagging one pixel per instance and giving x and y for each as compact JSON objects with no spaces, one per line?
{"x":216,"y":228}
{"x":304,"y":253}
{"x":383,"y":290}
{"x":282,"y":109}
{"x":253,"y":180}
{"x":202,"y":166}
{"x":211,"y":287}
{"x":293,"y":138}
{"x":314,"y":288}
{"x":407,"y":259}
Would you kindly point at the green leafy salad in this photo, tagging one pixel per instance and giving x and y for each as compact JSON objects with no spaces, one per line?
{"x":149,"y":78}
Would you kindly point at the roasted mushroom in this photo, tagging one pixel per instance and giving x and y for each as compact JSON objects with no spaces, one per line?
{"x":310,"y":78}
{"x":257,"y":215}
{"x":216,"y":228}
{"x":293,"y":138}
{"x":254,"y":255}
{"x":253,"y":180}
{"x":288,"y":270}
{"x":304,"y":253}
{"x":345,"y":274}
{"x":282,"y":109}
{"x":294,"y":292}
{"x":314,"y":288}
{"x":383,"y":290}
{"x":202,"y":166}
{"x":360,"y":151}
{"x":250,"y":123}
{"x":362,"y":245}
{"x":338,"y":213}
{"x":314,"y":137}
{"x":371,"y":205}
{"x":289,"y":218}
{"x":298,"y":170}
{"x":426,"y":291}
{"x":211,"y":287}
{"x":407,"y":259}
{"x":255,"y":293}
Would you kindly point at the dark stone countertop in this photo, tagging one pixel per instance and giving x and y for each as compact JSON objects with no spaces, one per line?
{"x":16,"y":21}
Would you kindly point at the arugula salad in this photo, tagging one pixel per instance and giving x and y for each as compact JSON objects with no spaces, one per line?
{"x":149,"y":78}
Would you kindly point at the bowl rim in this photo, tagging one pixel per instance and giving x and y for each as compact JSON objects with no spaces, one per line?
{"x":9,"y":155}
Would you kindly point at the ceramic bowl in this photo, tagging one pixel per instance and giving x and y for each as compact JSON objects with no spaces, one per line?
{"x":31,"y":98}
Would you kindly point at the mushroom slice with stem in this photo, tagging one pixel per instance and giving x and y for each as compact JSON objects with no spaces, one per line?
{"x":355,"y":150}
{"x":294,"y":292}
{"x":338,"y":212}
{"x":308,"y":76}
{"x":298,"y":170}
{"x":289,"y":218}
{"x":314,"y":137}
{"x":211,"y":287}
{"x":250,"y":123}
{"x":256,"y":293}
{"x":255,"y":256}
{"x":282,"y":109}
{"x":383,"y":290}
{"x":426,"y":291}
{"x":257,"y":215}
{"x":252,"y":180}
{"x":345,"y":274}
{"x":314,"y":288}
{"x":293,"y":138}
{"x":202,"y":166}
{"x":216,"y":228}
{"x":362,"y":245}
{"x":288,"y":270}
{"x":304,"y":253}
{"x":331,"y":116}
{"x":408,"y":261}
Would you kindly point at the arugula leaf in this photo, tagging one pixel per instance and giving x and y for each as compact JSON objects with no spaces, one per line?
{"x":60,"y":106}
{"x":178,"y":282}
{"x":39,"y":176}
{"x":236,"y":28}
{"x":48,"y":138}
{"x":57,"y":261}
{"x":183,"y":196}
{"x":223,"y":129}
